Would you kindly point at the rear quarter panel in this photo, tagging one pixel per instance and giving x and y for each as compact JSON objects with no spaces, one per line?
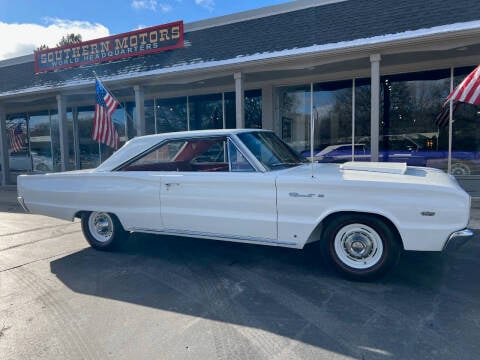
{"x":132,"y":196}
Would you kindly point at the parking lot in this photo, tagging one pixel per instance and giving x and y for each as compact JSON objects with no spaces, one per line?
{"x":179,"y":298}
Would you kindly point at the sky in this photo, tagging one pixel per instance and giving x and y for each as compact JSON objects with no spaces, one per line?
{"x":25,"y":25}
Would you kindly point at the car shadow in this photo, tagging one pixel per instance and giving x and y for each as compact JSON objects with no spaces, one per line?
{"x":11,"y":207}
{"x":288,"y":292}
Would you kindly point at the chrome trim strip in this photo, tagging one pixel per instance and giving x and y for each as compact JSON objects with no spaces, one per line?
{"x":230,"y":140}
{"x":21,"y":201}
{"x":257,"y":165}
{"x":213,"y":235}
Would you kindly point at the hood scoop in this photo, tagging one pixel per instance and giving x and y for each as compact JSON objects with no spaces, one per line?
{"x":381,"y":167}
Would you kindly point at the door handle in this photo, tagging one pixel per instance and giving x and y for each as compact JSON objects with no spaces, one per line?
{"x":168,"y":185}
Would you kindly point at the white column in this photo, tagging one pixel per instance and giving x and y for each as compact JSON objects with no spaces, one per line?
{"x":375,"y":106}
{"x":239,"y":100}
{"x":62,"y":129}
{"x":140,"y":109}
{"x":5,"y":173}
{"x":267,"y":108}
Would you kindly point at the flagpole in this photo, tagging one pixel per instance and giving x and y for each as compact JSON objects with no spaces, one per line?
{"x":450,"y":127}
{"x":99,"y":153}
{"x":353,"y":119}
{"x":312,"y":127}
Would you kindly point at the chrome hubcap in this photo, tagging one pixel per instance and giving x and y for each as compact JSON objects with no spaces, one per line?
{"x":101,"y":226}
{"x":358,"y":246}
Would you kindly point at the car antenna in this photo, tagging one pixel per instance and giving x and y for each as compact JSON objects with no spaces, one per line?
{"x":312,"y":127}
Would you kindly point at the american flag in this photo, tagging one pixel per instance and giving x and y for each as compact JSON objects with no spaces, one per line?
{"x":17,"y":138}
{"x":443,"y":118}
{"x":103,"y":129}
{"x":469,"y":89}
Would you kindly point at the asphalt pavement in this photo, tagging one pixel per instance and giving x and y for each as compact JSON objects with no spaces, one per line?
{"x":161,"y":297}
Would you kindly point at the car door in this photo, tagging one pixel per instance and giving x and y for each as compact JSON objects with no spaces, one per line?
{"x":219,"y":195}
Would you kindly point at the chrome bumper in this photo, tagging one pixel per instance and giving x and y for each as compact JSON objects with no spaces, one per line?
{"x":22,"y":204}
{"x":457,"y":239}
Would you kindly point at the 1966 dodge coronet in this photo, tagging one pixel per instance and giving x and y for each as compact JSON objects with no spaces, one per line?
{"x":249,"y":186}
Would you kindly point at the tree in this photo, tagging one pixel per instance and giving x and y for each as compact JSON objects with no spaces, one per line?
{"x":66,"y":40}
{"x":42,"y":47}
{"x":70,"y":39}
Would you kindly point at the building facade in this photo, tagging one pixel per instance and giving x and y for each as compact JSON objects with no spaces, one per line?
{"x":372,"y":74}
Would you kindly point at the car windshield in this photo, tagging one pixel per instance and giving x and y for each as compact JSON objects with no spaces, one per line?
{"x":272,"y":152}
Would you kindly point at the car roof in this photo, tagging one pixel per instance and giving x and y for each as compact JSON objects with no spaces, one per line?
{"x":140,"y":144}
{"x":331,"y":148}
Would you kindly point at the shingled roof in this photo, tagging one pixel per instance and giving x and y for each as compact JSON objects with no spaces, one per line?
{"x":331,"y":23}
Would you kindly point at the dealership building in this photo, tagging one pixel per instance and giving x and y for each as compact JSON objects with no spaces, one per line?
{"x":372,"y":74}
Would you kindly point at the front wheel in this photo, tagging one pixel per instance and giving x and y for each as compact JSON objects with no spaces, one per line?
{"x":102,"y":230}
{"x":360,"y":246}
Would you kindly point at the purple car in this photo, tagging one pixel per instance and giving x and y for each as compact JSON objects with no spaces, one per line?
{"x":401,"y":148}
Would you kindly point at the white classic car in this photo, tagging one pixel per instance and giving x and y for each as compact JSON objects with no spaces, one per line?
{"x":249,"y":186}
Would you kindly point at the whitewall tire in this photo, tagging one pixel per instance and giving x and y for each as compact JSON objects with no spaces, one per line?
{"x":102,"y":230}
{"x":360,"y":246}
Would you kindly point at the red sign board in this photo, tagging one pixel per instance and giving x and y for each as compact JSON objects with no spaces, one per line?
{"x":145,"y":41}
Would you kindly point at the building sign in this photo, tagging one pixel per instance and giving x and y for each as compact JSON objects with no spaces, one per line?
{"x":139,"y":42}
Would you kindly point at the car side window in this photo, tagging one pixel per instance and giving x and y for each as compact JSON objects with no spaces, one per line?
{"x":196,"y":154}
{"x":238,"y":162}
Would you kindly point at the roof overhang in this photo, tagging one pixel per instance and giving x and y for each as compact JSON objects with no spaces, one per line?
{"x":450,"y":40}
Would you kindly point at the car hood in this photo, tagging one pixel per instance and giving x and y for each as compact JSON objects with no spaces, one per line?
{"x":383,"y":174}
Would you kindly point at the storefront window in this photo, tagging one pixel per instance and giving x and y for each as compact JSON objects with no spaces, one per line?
{"x":465,"y":134}
{"x":71,"y":140}
{"x":332,"y":111}
{"x":55,"y":140}
{"x":253,"y":109}
{"x":230,"y":111}
{"x":89,"y":149}
{"x":41,"y":145}
{"x":295,"y":117}
{"x":40,"y":138}
{"x":150,"y":126}
{"x":332,"y":106}
{"x":408,"y":132}
{"x":18,"y":147}
{"x":92,"y":153}
{"x":171,"y":115}
{"x":206,"y":112}
{"x":362,"y":112}
{"x":119,"y":120}
{"x":131,"y":120}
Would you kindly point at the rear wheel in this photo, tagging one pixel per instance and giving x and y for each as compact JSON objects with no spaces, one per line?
{"x":360,"y":246}
{"x":102,"y":230}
